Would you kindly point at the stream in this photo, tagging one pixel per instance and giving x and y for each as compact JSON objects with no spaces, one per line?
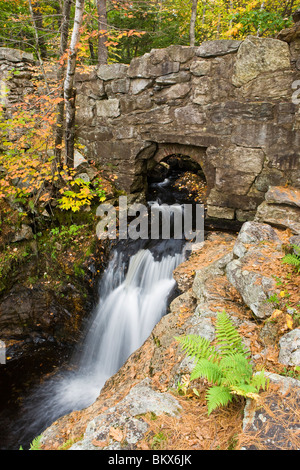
{"x":134,"y":293}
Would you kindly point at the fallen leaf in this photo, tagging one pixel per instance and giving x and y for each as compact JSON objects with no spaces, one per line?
{"x":276,"y":313}
{"x":289,"y":321}
{"x":116,"y":434}
{"x":99,"y":443}
{"x":143,"y":446}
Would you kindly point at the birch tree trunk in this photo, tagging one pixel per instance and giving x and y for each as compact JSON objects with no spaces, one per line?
{"x":64,"y":32}
{"x":262,"y":7}
{"x":102,"y":28}
{"x":193,"y":22}
{"x":69,"y":88}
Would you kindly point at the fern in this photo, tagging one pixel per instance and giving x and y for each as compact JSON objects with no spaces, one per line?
{"x":238,"y":366}
{"x":228,"y":339}
{"x":207,"y":369}
{"x":226,"y":366}
{"x":259,"y":380}
{"x":293,"y":258}
{"x":36,"y":443}
{"x":197,"y":347}
{"x":218,"y":396}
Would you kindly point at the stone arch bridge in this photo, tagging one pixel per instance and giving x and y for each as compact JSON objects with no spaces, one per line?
{"x":230,"y":105}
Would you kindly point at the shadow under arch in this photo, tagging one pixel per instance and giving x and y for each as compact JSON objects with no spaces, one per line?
{"x":157,"y":153}
{"x":159,"y":159}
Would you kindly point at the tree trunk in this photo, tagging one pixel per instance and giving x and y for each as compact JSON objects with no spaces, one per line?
{"x":193,"y":22}
{"x":288,"y":9}
{"x":38,"y":26}
{"x":262,"y":7}
{"x":69,"y":88}
{"x":64,"y":32}
{"x":102,"y":28}
{"x":37,"y":44}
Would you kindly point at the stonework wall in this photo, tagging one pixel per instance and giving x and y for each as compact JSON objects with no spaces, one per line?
{"x":228,"y":104}
{"x":16,"y":71}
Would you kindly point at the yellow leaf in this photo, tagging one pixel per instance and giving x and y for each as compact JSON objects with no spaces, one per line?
{"x":289,"y":321}
{"x":276,"y":314}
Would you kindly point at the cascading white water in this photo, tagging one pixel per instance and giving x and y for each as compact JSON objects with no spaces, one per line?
{"x":130,"y":306}
{"x":127,"y":314}
{"x":133,"y":298}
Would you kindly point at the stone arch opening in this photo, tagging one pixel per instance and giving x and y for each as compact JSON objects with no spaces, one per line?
{"x":183,"y":176}
{"x":184,"y":165}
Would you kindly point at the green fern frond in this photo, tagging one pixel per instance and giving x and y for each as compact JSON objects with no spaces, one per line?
{"x":197,"y":347}
{"x":260,"y":381}
{"x":229,"y":340}
{"x":36,"y":443}
{"x":236,"y":366}
{"x":208,"y":370}
{"x":292,"y":259}
{"x":217,"y":396}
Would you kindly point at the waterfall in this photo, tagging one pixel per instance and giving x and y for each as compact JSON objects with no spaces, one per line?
{"x":127,"y":314}
{"x":130,"y":305}
{"x":133,"y":297}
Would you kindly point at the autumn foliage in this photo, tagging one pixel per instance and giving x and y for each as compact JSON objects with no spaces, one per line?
{"x":27,"y":147}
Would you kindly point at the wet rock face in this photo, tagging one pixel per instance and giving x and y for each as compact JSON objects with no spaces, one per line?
{"x":227,"y":104}
{"x":45,"y":308}
{"x":38,"y":312}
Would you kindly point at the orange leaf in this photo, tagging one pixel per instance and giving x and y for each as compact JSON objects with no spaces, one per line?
{"x":99,"y":443}
{"x":116,"y":434}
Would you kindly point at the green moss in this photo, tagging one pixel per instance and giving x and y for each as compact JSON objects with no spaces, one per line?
{"x":12,"y":257}
{"x":159,"y":440}
{"x":66,"y":445}
{"x":57,"y":255}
